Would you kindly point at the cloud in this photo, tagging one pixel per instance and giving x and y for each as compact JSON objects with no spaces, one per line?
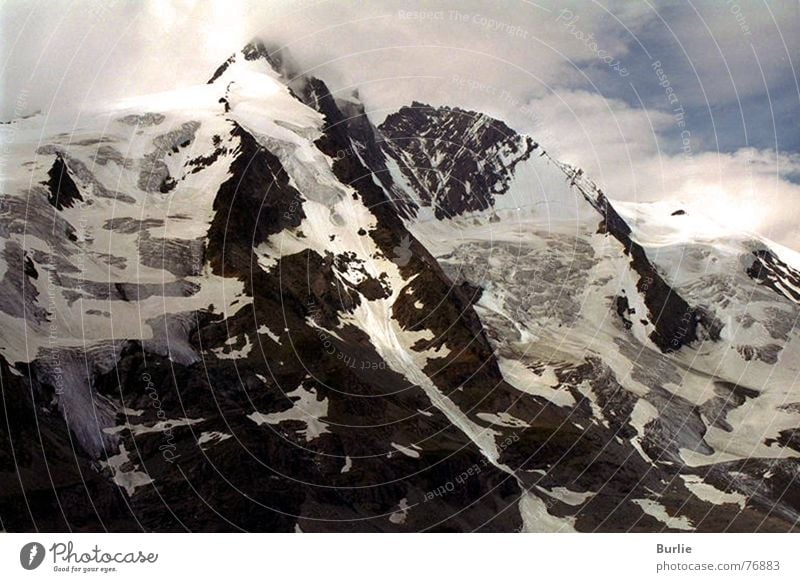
{"x":625,"y":152}
{"x":72,"y":53}
{"x":557,"y":78}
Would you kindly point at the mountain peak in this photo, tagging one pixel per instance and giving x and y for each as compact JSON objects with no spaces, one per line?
{"x":448,"y":144}
{"x":257,"y":51}
{"x":338,"y":296}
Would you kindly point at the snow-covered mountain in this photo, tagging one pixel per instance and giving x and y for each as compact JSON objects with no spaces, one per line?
{"x":242,"y":306}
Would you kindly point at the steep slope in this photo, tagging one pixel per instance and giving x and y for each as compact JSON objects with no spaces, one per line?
{"x":688,"y":351}
{"x":225,"y":201}
{"x":241,"y":306}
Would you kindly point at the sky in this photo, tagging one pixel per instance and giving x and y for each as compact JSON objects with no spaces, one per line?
{"x":694,"y":102}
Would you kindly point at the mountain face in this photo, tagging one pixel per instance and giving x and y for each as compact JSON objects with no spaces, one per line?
{"x":456,"y":161}
{"x":242,"y":306}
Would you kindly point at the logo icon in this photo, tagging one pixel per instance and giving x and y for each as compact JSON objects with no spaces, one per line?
{"x":31,"y":555}
{"x":402,"y":252}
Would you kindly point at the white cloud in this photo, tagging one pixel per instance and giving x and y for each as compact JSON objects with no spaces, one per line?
{"x":621,"y":149}
{"x":517,"y":61}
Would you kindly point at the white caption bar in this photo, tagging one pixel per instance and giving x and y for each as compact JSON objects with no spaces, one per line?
{"x":378,"y":557}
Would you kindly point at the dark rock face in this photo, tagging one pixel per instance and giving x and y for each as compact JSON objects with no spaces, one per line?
{"x":623,"y":310}
{"x":368,"y":147}
{"x":770,"y":271}
{"x":63,"y":192}
{"x":675,"y":321}
{"x":454,"y":323}
{"x":253,"y":203}
{"x":47,"y":483}
{"x":456,"y":161}
{"x":270,"y":478}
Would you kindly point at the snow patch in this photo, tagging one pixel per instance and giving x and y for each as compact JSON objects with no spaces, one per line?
{"x":239,"y":354}
{"x":399,"y":516}
{"x":306,"y":408}
{"x":129,"y":480}
{"x":406,"y":451}
{"x":536,"y":518}
{"x":659,"y":512}
{"x":711,"y":494}
{"x":212,"y":437}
